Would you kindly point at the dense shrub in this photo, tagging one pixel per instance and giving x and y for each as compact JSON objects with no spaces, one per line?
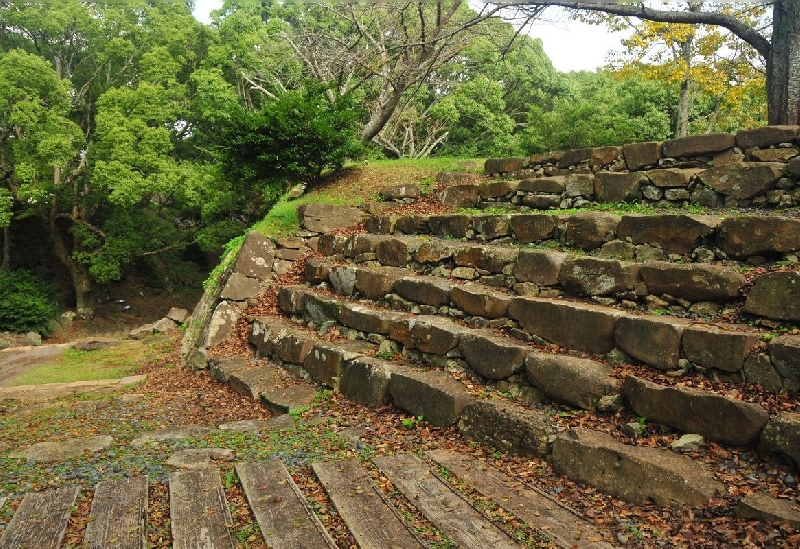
{"x":26,"y":303}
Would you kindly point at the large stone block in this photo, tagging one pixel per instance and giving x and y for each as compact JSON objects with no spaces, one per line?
{"x":321,"y":218}
{"x":461,"y":196}
{"x":450,"y":225}
{"x":413,"y":224}
{"x":399,"y":192}
{"x":223,"y":323}
{"x":641,"y":155}
{"x":577,"y":326}
{"x":376,"y":283}
{"x":380,"y":224}
{"x":530,"y":228}
{"x":506,"y":427}
{"x":240,"y":288}
{"x":436,"y":251}
{"x":775,"y":295}
{"x":264,"y":332}
{"x":489,"y":258}
{"x":428,"y":333}
{"x":588,"y":276}
{"x":574,"y":381}
{"x":656,"y":341}
{"x":503,"y":165}
{"x":542,"y":267}
{"x":573,"y":157}
{"x":618,"y":186}
{"x":604,"y":156}
{"x":292,"y":346}
{"x":292,"y":299}
{"x":794,"y":166}
{"x":477,"y":300}
{"x":766,"y":136}
{"x":497,"y":189}
{"x":590,"y":230}
{"x":343,"y":279}
{"x":672,"y":177}
{"x":492,"y":226}
{"x":675,"y":234}
{"x":693,"y":281}
{"x":743,"y":180}
{"x":743,"y":236}
{"x":322,"y":308}
{"x":698,"y":145}
{"x":580,"y":184}
{"x":366,"y":380}
{"x":368,"y":320}
{"x":765,"y":507}
{"x":492,"y":356}
{"x":363,"y":243}
{"x":326,"y":360}
{"x":255,"y":257}
{"x":331,"y":244}
{"x":712,"y":347}
{"x":397,"y":252}
{"x":316,"y":270}
{"x":634,"y":473}
{"x":550,"y":185}
{"x":425,"y":290}
{"x":784,"y":351}
{"x":782,"y":435}
{"x":434,"y":395}
{"x":714,"y":416}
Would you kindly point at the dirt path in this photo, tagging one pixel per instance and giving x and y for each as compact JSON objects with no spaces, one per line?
{"x":16,"y":360}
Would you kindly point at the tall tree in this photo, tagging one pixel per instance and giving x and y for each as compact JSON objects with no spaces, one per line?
{"x":780,"y":49}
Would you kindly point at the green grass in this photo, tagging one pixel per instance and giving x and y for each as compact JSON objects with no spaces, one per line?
{"x":111,"y":363}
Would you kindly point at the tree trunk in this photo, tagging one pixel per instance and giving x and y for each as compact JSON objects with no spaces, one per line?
{"x":6,"y":248}
{"x":783,"y":65}
{"x":685,"y":99}
{"x":81,"y":280}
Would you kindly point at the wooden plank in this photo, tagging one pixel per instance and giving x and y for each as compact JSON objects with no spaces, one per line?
{"x":199,"y":512}
{"x":280,"y":509}
{"x":41,"y":520}
{"x":440,"y":504}
{"x":119,"y":515}
{"x":564,"y":526}
{"x":370,"y":519}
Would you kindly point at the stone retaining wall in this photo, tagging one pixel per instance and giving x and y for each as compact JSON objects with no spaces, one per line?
{"x":754,"y":168}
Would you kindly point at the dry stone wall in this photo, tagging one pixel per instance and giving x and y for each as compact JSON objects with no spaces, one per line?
{"x":754,"y":168}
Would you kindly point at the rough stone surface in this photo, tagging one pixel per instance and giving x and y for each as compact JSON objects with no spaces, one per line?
{"x":541,"y":267}
{"x":434,"y":395}
{"x":477,"y":300}
{"x":489,"y":258}
{"x":326,"y":360}
{"x":676,"y":234}
{"x":712,"y":347}
{"x":655,"y":341}
{"x":618,"y":187}
{"x":396,"y":252}
{"x":588,"y":276}
{"x":490,"y":227}
{"x":506,"y":427}
{"x":177,"y":315}
{"x":450,"y":225}
{"x":695,"y":282}
{"x":635,"y":474}
{"x":321,"y":308}
{"x":255,"y":257}
{"x":425,"y":290}
{"x":590,"y":230}
{"x":198,"y":458}
{"x":366,"y":380}
{"x":575,"y":326}
{"x":763,"y":506}
{"x":575,"y":381}
{"x":292,"y":346}
{"x":784,"y":351}
{"x":222,"y":323}
{"x":671,"y":177}
{"x":331,"y":244}
{"x":551,"y":185}
{"x":716,"y":417}
{"x":697,"y":145}
{"x":363,"y":243}
{"x":687,"y":443}
{"x":496,"y":189}
{"x":461,"y":196}
{"x":744,"y":179}
{"x":278,"y":423}
{"x":743,"y":236}
{"x":573,"y":157}
{"x":399,"y":192}
{"x":343,"y":279}
{"x":782,"y":435}
{"x":429,"y":334}
{"x":321,"y":218}
{"x":368,"y":320}
{"x":316,"y":270}
{"x":530,"y":228}
{"x":775,"y":295}
{"x":53,"y":452}
{"x":758,"y":369}
{"x":641,"y":155}
{"x":171,"y":433}
{"x":580,"y":184}
{"x":292,"y":299}
{"x":240,"y":288}
{"x":492,"y":356}
{"x":375,"y":283}
{"x":794,"y":166}
{"x":436,"y":251}
{"x":766,"y":136}
{"x":503,"y":165}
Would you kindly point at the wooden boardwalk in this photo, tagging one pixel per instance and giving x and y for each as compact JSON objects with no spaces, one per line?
{"x":200,"y":517}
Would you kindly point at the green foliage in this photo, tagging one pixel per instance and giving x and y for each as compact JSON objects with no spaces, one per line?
{"x":296,"y":137}
{"x":26,"y":303}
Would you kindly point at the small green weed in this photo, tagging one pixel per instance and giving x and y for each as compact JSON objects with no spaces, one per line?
{"x":411,"y":422}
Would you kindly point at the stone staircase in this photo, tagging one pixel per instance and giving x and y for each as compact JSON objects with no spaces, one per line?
{"x":200,"y":516}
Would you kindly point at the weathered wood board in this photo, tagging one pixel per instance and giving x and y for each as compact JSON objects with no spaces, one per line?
{"x":285,"y":520}
{"x":440,"y":505}
{"x":118,"y":515}
{"x":41,"y":520}
{"x":199,"y":511}
{"x":563,"y":526}
{"x":369,"y":518}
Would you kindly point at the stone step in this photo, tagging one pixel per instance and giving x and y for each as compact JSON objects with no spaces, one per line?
{"x":727,"y":352}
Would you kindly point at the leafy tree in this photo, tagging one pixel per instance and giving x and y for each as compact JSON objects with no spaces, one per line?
{"x":297,"y":136}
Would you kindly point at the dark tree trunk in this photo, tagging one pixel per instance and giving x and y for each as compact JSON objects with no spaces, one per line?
{"x":81,"y":280}
{"x":783,"y":65}
{"x":6,"y":248}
